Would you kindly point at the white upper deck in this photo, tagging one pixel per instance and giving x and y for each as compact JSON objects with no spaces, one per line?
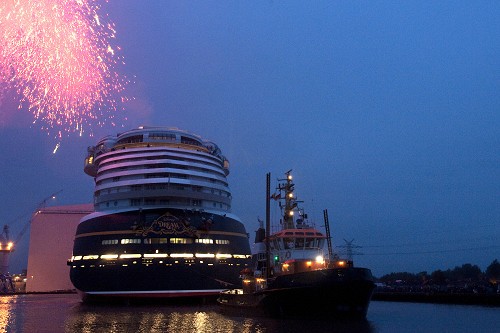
{"x":152,"y":167}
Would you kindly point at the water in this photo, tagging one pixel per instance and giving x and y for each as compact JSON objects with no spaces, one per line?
{"x":65,"y":313}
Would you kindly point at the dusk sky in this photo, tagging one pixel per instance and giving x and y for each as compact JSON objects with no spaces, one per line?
{"x":388,"y":114}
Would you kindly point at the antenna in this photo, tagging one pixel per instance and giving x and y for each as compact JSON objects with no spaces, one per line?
{"x":328,"y":236}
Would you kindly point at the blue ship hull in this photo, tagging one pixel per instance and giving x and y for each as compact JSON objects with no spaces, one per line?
{"x":159,"y":253}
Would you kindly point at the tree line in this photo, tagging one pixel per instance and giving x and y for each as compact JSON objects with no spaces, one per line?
{"x":467,"y":278}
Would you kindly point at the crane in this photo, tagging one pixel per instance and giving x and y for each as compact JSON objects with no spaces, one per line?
{"x":6,"y":246}
{"x":5,"y":233}
{"x":41,"y":205}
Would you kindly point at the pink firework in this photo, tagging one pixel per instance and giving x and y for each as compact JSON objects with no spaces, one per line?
{"x":57,"y":55}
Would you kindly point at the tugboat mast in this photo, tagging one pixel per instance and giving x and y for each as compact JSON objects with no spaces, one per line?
{"x":290,"y":200}
{"x":268,"y":225}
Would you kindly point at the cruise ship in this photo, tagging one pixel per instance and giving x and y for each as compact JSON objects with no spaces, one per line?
{"x":162,"y":226}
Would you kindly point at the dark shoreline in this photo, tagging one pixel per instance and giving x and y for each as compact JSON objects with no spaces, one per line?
{"x":439,"y":298}
{"x":55,"y":292}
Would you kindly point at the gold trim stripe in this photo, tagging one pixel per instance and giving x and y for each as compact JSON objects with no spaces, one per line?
{"x":132,"y":232}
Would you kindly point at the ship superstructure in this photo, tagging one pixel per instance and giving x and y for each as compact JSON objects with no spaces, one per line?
{"x":162,"y":225}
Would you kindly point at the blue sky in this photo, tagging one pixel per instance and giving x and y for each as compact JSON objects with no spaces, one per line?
{"x":387,"y":112}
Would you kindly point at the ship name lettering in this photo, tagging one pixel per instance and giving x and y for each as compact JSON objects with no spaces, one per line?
{"x":169,"y":225}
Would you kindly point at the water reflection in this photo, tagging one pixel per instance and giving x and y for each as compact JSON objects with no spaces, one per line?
{"x":192,"y":318}
{"x":66,"y":313}
{"x":48,"y":313}
{"x":7,"y":316}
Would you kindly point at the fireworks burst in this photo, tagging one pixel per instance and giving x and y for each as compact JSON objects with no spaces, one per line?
{"x":57,"y":56}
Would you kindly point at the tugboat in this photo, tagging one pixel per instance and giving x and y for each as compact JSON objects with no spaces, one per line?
{"x":293,"y":274}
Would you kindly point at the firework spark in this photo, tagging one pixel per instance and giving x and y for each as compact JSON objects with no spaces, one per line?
{"x":57,"y":56}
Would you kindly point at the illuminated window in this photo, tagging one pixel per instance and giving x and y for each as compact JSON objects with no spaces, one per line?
{"x":155,"y":255}
{"x":109,"y":242}
{"x":109,"y":256}
{"x":130,"y":255}
{"x":89,"y":257}
{"x":221,"y":241}
{"x":131,"y":241}
{"x":204,"y":241}
{"x":223,"y":255}
{"x":181,"y":255}
{"x":155,"y":240}
{"x":204,"y":255}
{"x":181,"y":241}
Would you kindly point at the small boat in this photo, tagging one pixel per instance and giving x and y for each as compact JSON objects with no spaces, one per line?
{"x":293,"y":275}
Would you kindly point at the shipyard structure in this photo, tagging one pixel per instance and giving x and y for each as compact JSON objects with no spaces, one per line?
{"x":52,"y":232}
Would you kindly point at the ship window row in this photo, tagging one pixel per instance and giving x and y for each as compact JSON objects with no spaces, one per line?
{"x":181,"y":202}
{"x":127,"y":148}
{"x":190,"y":141}
{"x":164,"y":240}
{"x":204,"y":241}
{"x":128,"y":158}
{"x":202,"y":172}
{"x":156,"y":187}
{"x":162,"y":186}
{"x":162,"y":171}
{"x":130,"y":241}
{"x":162,"y":136}
{"x":208,"y":175}
{"x":130,"y":139}
{"x":150,"y":256}
{"x":166,"y":175}
{"x":187,"y":203}
{"x":159,"y":136}
{"x":155,"y":155}
{"x":296,"y":243}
